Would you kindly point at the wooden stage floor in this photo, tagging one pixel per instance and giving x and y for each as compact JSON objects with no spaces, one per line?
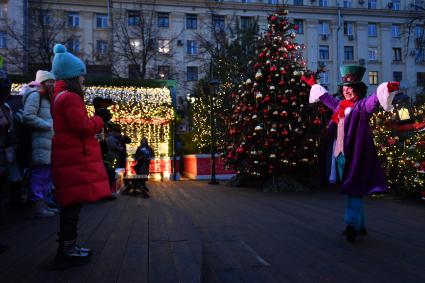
{"x":194,"y":232}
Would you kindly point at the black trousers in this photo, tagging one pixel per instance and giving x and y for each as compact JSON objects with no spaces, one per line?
{"x":69,"y":217}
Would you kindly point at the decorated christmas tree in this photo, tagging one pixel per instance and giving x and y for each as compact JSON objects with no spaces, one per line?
{"x":401,"y":149}
{"x":272,"y":127}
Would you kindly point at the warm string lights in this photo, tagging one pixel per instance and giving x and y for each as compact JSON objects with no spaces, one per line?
{"x":141,"y":112}
{"x":402,"y":154}
{"x":201,"y":123}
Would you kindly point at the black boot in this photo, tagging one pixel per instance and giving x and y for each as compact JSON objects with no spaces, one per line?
{"x":350,"y":233}
{"x":69,"y":253}
{"x":3,"y":248}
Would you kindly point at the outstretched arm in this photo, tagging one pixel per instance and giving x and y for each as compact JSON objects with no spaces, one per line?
{"x":384,"y":96}
{"x":319,"y":93}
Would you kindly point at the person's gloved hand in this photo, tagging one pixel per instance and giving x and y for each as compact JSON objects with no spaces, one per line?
{"x":393,"y":86}
{"x":310,"y":80}
{"x":104,"y":113}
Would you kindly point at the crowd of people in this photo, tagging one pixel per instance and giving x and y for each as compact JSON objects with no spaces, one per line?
{"x":55,"y":157}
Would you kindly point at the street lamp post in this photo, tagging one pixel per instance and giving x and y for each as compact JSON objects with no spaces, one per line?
{"x":213,"y":88}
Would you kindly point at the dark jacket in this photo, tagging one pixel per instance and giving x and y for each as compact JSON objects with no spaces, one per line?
{"x":114,"y":149}
{"x":144,"y":154}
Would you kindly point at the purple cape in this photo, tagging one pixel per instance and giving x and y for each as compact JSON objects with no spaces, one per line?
{"x":363,"y":174}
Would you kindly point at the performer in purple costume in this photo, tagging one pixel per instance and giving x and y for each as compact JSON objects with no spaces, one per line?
{"x":352,"y":159}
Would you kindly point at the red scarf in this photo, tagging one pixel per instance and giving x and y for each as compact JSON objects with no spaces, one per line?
{"x":340,"y":112}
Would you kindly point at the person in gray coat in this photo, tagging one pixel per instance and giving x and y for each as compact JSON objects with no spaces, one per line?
{"x":36,"y":115}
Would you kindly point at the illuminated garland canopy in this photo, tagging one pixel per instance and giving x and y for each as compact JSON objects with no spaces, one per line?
{"x":141,"y":112}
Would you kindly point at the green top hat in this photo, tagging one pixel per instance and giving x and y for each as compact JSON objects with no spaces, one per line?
{"x":351,"y":74}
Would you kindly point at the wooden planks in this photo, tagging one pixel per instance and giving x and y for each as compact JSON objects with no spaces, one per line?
{"x":194,"y":232}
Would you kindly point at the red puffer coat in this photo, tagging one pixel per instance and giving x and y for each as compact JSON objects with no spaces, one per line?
{"x":77,"y":166}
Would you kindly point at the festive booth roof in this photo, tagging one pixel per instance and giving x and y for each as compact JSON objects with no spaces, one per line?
{"x":136,"y":104}
{"x":141,"y":112}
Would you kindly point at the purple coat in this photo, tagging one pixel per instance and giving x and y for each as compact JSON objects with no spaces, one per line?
{"x":363,"y":174}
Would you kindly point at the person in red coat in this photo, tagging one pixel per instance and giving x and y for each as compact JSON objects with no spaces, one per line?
{"x":77,"y":166}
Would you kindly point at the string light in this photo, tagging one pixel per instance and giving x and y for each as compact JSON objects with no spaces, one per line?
{"x":141,"y":112}
{"x":402,"y":154}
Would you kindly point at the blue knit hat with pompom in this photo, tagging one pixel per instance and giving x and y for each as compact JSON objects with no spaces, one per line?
{"x":65,"y":65}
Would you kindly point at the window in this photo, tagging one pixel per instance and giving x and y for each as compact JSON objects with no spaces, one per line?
{"x":191,"y":21}
{"x":348,"y":53}
{"x":372,"y":30}
{"x":397,"y":76}
{"x":348,"y":28}
{"x":246,"y":1}
{"x":300,"y":25}
{"x":324,"y":77}
{"x":373,"y":77}
{"x":396,"y":54}
{"x":164,"y":72}
{"x":192,"y":74}
{"x":420,"y":79}
{"x":274,"y":2}
{"x":102,"y":47}
{"x":323,"y":3}
{"x":73,"y":45}
{"x":164,"y":46}
{"x":347,"y":3}
{"x":246,"y":22}
{"x":299,"y":2}
{"x":417,"y":4}
{"x":396,"y":5}
{"x":3,"y":10}
{"x":73,"y":20}
{"x":395,"y":31}
{"x":371,"y":4}
{"x":163,"y":20}
{"x":324,"y":52}
{"x":136,"y":45}
{"x":419,"y":31}
{"x":3,"y":39}
{"x":45,"y":17}
{"x":101,"y":20}
{"x":133,"y":18}
{"x":372,"y":53}
{"x":420,"y":57}
{"x":192,"y":47}
{"x":218,"y":22}
{"x":323,"y":27}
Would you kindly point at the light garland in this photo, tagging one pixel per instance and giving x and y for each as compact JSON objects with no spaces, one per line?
{"x":401,"y":154}
{"x":141,"y":112}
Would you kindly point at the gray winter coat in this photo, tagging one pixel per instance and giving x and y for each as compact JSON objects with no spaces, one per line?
{"x":37,"y":116}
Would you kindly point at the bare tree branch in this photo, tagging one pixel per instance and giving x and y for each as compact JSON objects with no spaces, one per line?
{"x":145,"y":32}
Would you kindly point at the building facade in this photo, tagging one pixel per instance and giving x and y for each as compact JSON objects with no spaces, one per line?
{"x":162,"y":39}
{"x":12,"y":26}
